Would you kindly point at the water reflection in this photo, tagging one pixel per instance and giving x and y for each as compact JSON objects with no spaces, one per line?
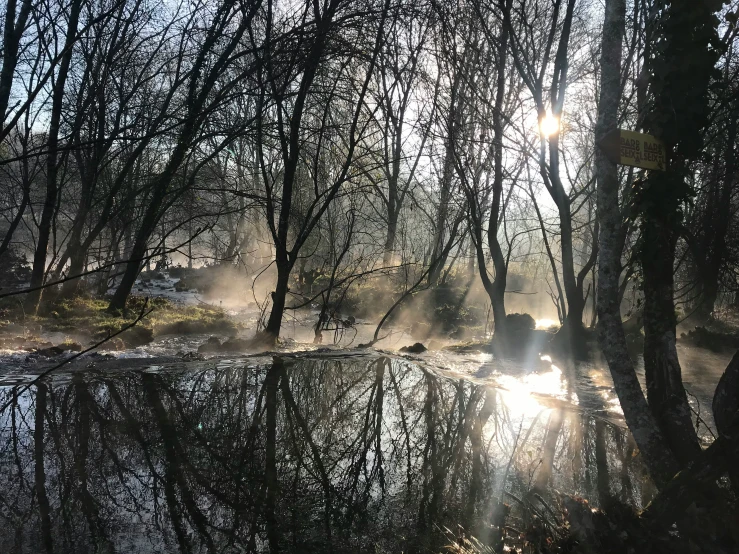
{"x":298,"y":455}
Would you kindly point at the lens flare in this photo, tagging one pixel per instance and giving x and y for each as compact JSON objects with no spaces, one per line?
{"x":549,"y":125}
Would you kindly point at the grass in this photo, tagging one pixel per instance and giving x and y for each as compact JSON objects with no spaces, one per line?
{"x":83,"y":316}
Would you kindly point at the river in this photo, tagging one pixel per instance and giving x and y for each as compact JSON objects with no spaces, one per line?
{"x":307,"y":450}
{"x":330,"y":452}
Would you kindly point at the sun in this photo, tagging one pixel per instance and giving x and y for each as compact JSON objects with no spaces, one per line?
{"x":549,"y":125}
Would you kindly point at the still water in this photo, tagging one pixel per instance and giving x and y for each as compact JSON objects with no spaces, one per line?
{"x":296,"y":453}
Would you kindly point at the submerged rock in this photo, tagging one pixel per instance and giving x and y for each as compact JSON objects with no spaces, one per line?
{"x":520,"y":337}
{"x":190,"y":356}
{"x":137,"y":336}
{"x":237,"y":345}
{"x":233,"y":344}
{"x":47,"y":350}
{"x":98,"y":357}
{"x":209,"y":346}
{"x":50,"y":352}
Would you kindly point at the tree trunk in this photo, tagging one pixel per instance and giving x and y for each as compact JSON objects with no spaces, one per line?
{"x":442,"y":215}
{"x":138,"y":252}
{"x":447,"y":174}
{"x":279,"y":296}
{"x":657,"y":457}
{"x":392,"y":229}
{"x":76,"y":267}
{"x":52,"y":167}
{"x":500,"y":265}
{"x":679,"y":114}
{"x":13,"y":29}
{"x":725,"y":405}
{"x":573,"y":329}
{"x":133,"y":267}
{"x":665,"y":391}
{"x":14,"y":224}
{"x":700,"y":475}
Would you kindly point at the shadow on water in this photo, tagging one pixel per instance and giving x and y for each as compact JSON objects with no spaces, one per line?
{"x":299,"y":455}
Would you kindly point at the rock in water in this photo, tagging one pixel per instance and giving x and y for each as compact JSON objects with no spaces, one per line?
{"x":210,"y":345}
{"x":416,"y":348}
{"x":50,"y":352}
{"x":520,"y":323}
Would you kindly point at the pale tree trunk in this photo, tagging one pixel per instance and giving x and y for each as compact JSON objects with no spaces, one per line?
{"x":657,"y":456}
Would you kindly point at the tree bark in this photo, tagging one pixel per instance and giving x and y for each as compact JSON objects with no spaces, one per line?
{"x":681,"y":71}
{"x":12,"y":32}
{"x":392,"y":229}
{"x":725,"y":405}
{"x":279,"y":297}
{"x":657,"y":457}
{"x":138,"y":252}
{"x":500,"y":265}
{"x":666,"y":395}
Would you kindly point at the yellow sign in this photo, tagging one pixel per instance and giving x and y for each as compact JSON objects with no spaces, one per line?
{"x":635,"y":149}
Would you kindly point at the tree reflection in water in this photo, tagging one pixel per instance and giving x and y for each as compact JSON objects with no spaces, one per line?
{"x":298,"y":455}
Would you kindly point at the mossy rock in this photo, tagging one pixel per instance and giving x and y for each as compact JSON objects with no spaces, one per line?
{"x":183,"y":285}
{"x":520,"y":323}
{"x":137,"y":336}
{"x":210,"y":346}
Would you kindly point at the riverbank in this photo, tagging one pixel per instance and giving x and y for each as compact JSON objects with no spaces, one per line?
{"x":81,"y":321}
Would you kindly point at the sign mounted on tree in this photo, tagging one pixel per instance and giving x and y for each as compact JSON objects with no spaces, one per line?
{"x":635,"y":149}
